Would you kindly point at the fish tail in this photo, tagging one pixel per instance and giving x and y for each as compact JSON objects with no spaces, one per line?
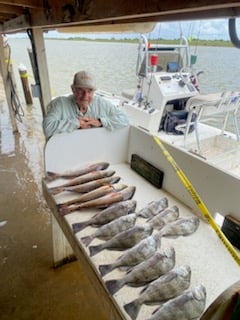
{"x":87,"y":240}
{"x":64,"y":210}
{"x":113,"y":285}
{"x":95,"y":249}
{"x":50,"y":176}
{"x":133,"y":308}
{"x":105,"y":268}
{"x":56,"y":190}
{"x":78,"y":226}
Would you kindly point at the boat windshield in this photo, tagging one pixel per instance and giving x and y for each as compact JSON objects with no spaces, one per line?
{"x":170,"y":58}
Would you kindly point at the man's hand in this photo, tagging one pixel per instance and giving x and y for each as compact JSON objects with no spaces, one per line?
{"x":89,"y":123}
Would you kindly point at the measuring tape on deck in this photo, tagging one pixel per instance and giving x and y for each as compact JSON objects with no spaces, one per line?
{"x":198,"y":201}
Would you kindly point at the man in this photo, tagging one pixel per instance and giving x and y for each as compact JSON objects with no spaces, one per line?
{"x":82,"y":109}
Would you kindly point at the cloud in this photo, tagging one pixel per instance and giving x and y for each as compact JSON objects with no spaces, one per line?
{"x":214,"y":29}
{"x":199,"y":29}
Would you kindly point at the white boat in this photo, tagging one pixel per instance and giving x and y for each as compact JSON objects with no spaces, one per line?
{"x":190,"y":178}
{"x":166,"y":102}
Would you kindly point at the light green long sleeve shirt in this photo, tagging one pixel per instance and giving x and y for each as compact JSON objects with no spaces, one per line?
{"x":63,"y":114}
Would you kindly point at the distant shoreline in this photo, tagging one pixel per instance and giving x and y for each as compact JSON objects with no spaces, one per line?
{"x":192,"y":42}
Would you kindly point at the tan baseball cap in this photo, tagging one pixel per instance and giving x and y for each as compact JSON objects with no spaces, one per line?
{"x":84,"y":79}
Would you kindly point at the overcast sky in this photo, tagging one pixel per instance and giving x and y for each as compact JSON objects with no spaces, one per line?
{"x":216,"y":29}
{"x":204,"y":29}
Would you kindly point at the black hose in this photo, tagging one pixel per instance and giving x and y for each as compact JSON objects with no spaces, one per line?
{"x":233,"y":32}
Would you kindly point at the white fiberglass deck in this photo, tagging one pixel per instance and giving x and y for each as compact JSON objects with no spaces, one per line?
{"x":221,"y":150}
{"x":210,"y":262}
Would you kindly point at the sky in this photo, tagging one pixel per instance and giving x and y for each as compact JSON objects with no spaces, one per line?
{"x":205,"y":29}
{"x":215,"y":29}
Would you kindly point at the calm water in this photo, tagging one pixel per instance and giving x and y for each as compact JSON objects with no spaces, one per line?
{"x":114,"y":64}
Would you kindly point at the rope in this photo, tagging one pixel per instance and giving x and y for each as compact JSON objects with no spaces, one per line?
{"x":15,"y":101}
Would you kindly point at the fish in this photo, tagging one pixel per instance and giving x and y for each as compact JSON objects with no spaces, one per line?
{"x":89,"y":186}
{"x":50,"y":176}
{"x":101,"y":202}
{"x":146,"y":271}
{"x":104,"y":216}
{"x":109,"y":230}
{"x":124,"y":240}
{"x":166,"y":287}
{"x":93,"y":175}
{"x":94,"y":194}
{"x":187,"y":306}
{"x":181,"y":227}
{"x":133,"y":256}
{"x":153,"y":208}
{"x":161,"y":219}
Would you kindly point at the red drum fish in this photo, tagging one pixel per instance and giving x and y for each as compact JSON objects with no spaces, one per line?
{"x":69,"y":174}
{"x":93,"y":175}
{"x":89,"y":186}
{"x":94,"y":194}
{"x":101,"y":202}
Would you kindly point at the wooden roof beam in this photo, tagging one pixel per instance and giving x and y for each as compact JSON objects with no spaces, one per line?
{"x":11,"y":9}
{"x":23,"y":3}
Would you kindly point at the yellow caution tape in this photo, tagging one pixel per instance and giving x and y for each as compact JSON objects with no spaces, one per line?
{"x":23,"y":74}
{"x":198,"y":201}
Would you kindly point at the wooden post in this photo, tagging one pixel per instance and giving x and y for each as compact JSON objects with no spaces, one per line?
{"x":24,"y":79}
{"x":4,"y":68}
{"x":41,"y":60}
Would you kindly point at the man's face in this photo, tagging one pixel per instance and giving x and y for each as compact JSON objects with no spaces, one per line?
{"x":83,"y":97}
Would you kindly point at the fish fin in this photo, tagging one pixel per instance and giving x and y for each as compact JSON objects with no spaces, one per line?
{"x":78,"y":226}
{"x":113,"y":286}
{"x":86,"y":240}
{"x":55,"y":190}
{"x":124,"y":268}
{"x":105,"y":268}
{"x":133,"y":308}
{"x":63,"y":210}
{"x":170,"y":237}
{"x":143,"y":289}
{"x":95,"y":249}
{"x":156,"y":310}
{"x":139,"y":284}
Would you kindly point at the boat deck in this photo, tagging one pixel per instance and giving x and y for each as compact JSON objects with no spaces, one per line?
{"x":221,"y":150}
{"x":203,"y":251}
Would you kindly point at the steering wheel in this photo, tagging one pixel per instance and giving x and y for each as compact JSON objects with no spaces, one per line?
{"x":186,"y":79}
